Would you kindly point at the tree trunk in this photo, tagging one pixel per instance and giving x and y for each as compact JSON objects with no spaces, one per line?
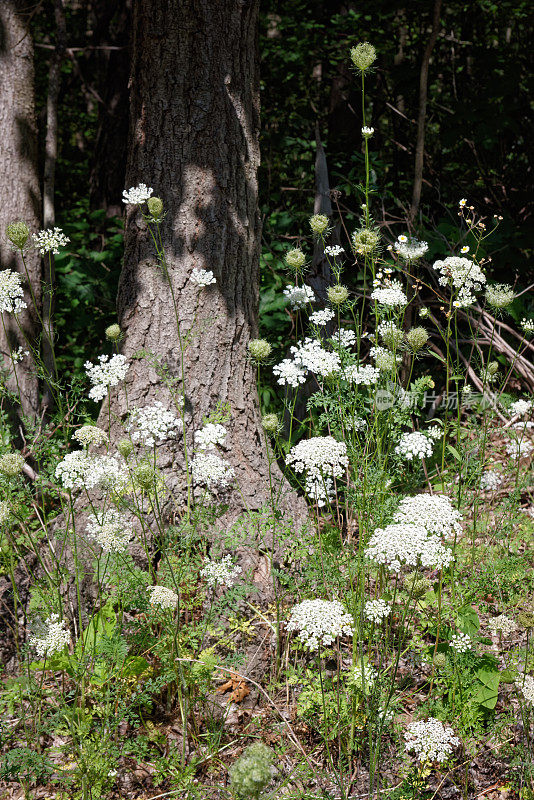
{"x":194,"y":122}
{"x":19,"y":185}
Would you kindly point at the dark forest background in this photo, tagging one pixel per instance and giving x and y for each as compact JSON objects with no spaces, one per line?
{"x":479,"y":135}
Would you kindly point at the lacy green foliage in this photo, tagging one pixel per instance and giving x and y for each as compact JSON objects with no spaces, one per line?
{"x":252,"y":771}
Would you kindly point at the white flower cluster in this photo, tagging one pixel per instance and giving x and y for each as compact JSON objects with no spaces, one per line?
{"x":111,"y":531}
{"x":460,"y":642}
{"x":414,"y":445}
{"x":389,"y":293}
{"x":519,"y":449}
{"x":299,"y":296}
{"x":153,"y":425}
{"x":137,"y":195}
{"x":376,"y":610}
{"x":5,"y":512}
{"x":502,"y":625}
{"x":212,"y":471}
{"x":524,"y":426}
{"x":384,"y":360}
{"x":322,"y":317}
{"x":321,"y":458}
{"x":80,"y":469}
{"x":344,"y":337}
{"x":223,"y":572}
{"x":431,"y":740}
{"x":50,"y":241}
{"x":202,"y":277}
{"x":11,"y":294}
{"x":527,"y":325}
{"x":289,"y":373}
{"x":309,"y":355}
{"x":463,"y":275}
{"x":401,"y":543}
{"x":434,"y":512}
{"x":211,"y":435}
{"x":18,"y":355}
{"x":490,"y":481}
{"x":435,"y":432}
{"x":109,"y":371}
{"x":55,"y":639}
{"x":525,"y":684}
{"x":334,"y":250}
{"x":90,"y":434}
{"x":362,"y":375}
{"x":409,"y":248}
{"x":521,"y":407}
{"x":363,"y":676}
{"x":320,"y":622}
{"x":161,"y":596}
{"x":320,"y":489}
{"x":367,"y":132}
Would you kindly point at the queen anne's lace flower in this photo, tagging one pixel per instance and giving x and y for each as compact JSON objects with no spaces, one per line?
{"x":334,"y":250}
{"x":344,"y":337}
{"x":362,"y":375}
{"x":363,"y":676}
{"x":410,"y":249}
{"x":110,"y":529}
{"x":502,"y":625}
{"x":434,"y":512}
{"x":223,"y":573}
{"x":299,"y":296}
{"x":319,"y":489}
{"x":376,"y":610}
{"x":320,"y":622}
{"x":385,"y":360}
{"x":460,"y":642}
{"x":390,"y":293}
{"x":519,"y":449}
{"x":402,"y":543}
{"x":107,"y":373}
{"x":11,"y":294}
{"x":309,"y":355}
{"x":463,"y":275}
{"x":81,"y":469}
{"x":163,"y":597}
{"x":211,"y":435}
{"x":525,"y":684}
{"x":49,"y":241}
{"x":54,"y":640}
{"x":289,"y":373}
{"x":137,"y":195}
{"x":210,"y":470}
{"x":5,"y":512}
{"x":202,"y":277}
{"x":322,"y":317}
{"x":318,"y":456}
{"x":414,"y":445}
{"x":90,"y":434}
{"x":431,"y":740}
{"x":490,"y":481}
{"x":521,"y":407}
{"x":11,"y":464}
{"x":153,"y":425}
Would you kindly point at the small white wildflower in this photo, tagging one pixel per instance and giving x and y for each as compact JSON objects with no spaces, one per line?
{"x":223,"y":573}
{"x":54,"y":640}
{"x":344,"y":338}
{"x":519,"y":449}
{"x":362,"y":375}
{"x":202,"y":277}
{"x":334,"y":250}
{"x":11,"y":293}
{"x":414,"y":445}
{"x":288,"y":373}
{"x":410,"y":249}
{"x":462,"y":203}
{"x":463,"y":276}
{"x":520,"y":408}
{"x":528,"y":326}
{"x":137,"y":195}
{"x":18,"y":355}
{"x":211,"y":435}
{"x":376,"y":610}
{"x":309,"y":355}
{"x":322,"y":317}
{"x":490,"y":481}
{"x":50,"y":241}
{"x":107,"y":373}
{"x":367,"y":132}
{"x":460,"y":642}
{"x":90,"y":434}
{"x":163,"y":597}
{"x":320,"y":622}
{"x":525,"y":684}
{"x":431,"y":740}
{"x":363,"y":676}
{"x":152,"y":425}
{"x":502,"y":625}
{"x":403,"y":543}
{"x":212,"y":471}
{"x":434,"y":512}
{"x":435,"y":432}
{"x":391,"y":294}
{"x":299,"y":296}
{"x":319,"y":456}
{"x":111,"y":530}
{"x":465,"y":249}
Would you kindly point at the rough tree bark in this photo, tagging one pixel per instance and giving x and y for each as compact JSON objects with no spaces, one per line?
{"x":194,"y":122}
{"x":19,"y":183}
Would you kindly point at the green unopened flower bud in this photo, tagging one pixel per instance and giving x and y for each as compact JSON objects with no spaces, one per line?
{"x":145,"y":477}
{"x":11,"y":464}
{"x":440,"y":660}
{"x":417,"y":338}
{"x":391,"y":335}
{"x":125,"y":447}
{"x":113,"y":333}
{"x":526,"y":619}
{"x":18,"y":233}
{"x":271,"y":424}
{"x":337,"y":294}
{"x":363,"y":55}
{"x":365,"y":240}
{"x":155,"y":207}
{"x":319,"y":223}
{"x":500,"y":295}
{"x":295,"y":258}
{"x":259,"y":350}
{"x":252,"y":771}
{"x":493,"y":367}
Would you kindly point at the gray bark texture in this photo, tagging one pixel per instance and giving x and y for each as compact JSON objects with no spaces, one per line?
{"x":194,"y":138}
{"x":19,"y":183}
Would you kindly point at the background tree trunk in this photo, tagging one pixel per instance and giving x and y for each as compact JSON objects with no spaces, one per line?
{"x":194,"y":125}
{"x":19,"y":182}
